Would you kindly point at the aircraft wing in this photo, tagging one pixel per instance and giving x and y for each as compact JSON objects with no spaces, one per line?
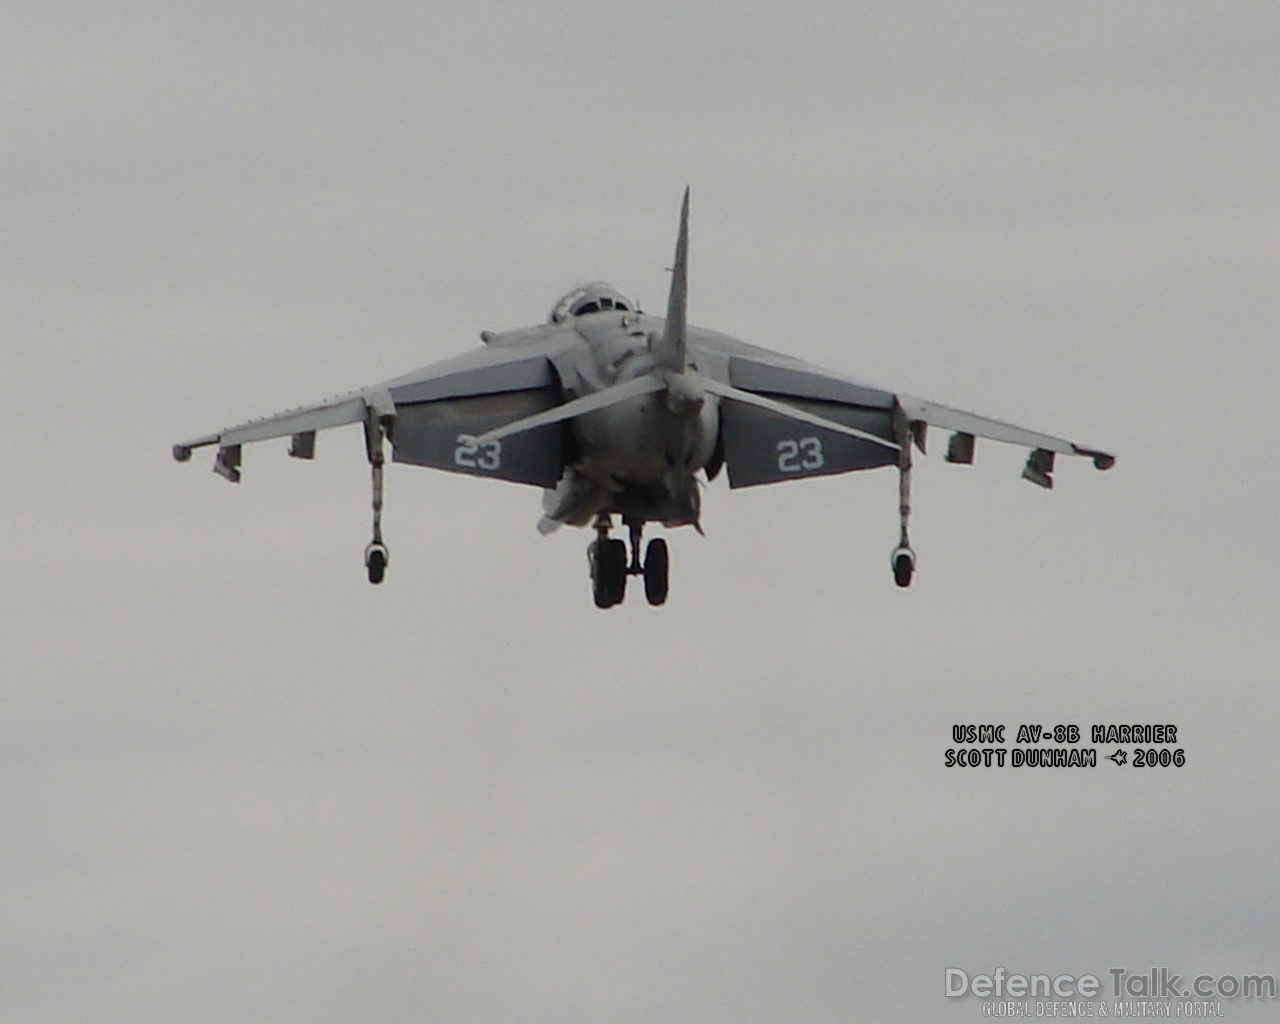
{"x":785,"y":419}
{"x":968,"y":426}
{"x":433,"y":416}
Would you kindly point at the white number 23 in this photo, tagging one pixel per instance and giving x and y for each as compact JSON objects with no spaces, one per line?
{"x":471,"y":455}
{"x":796,"y":456}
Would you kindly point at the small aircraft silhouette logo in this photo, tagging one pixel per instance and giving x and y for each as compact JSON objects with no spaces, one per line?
{"x":1119,"y":757}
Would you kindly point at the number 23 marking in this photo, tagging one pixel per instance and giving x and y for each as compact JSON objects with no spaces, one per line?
{"x":796,"y":456}
{"x":471,"y":455}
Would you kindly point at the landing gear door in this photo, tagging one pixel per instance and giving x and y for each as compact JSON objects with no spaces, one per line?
{"x":443,"y":435}
{"x":763,"y":447}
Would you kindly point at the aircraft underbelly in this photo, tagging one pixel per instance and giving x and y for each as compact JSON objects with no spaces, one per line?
{"x":637,"y":441}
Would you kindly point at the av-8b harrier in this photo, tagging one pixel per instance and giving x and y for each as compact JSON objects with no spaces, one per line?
{"x":616,"y":413}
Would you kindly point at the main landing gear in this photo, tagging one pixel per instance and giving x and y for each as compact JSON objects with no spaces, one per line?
{"x":610,"y":567}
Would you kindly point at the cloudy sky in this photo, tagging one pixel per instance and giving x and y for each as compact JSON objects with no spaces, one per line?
{"x":240,"y":784}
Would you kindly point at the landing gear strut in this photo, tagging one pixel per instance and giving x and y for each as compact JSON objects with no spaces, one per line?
{"x":376,"y":555}
{"x":903,"y":558}
{"x":610,"y":566}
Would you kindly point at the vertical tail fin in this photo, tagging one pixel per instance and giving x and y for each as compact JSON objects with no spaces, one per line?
{"x":668,"y":351}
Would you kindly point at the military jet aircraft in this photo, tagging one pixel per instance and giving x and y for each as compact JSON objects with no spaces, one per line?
{"x":615,"y":412}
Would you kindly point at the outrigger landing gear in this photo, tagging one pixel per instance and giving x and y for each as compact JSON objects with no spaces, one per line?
{"x":903,"y":558}
{"x":376,"y":555}
{"x":610,"y":566}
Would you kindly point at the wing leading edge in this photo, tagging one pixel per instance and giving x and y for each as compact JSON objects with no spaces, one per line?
{"x":920,"y":410}
{"x":432,"y":417}
{"x":967,"y":426}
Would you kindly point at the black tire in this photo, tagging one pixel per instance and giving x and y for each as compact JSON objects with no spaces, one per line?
{"x":608,"y":560}
{"x":616,"y":560}
{"x":377,"y":566}
{"x":657,"y":565}
{"x":599,"y":574}
{"x":903,"y":567}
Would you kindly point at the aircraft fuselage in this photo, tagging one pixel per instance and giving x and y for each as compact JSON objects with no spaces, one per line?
{"x":613,"y":412}
{"x":643,"y":451}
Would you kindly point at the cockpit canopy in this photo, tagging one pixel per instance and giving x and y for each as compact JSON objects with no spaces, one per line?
{"x":596,"y":297}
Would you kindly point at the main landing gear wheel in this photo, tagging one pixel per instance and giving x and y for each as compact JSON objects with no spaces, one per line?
{"x":608,"y":571}
{"x":656,"y":567}
{"x":610,"y":565}
{"x":904,"y":564}
{"x":375,"y":561}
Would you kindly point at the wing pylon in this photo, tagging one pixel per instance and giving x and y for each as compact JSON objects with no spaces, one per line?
{"x":593,"y":402}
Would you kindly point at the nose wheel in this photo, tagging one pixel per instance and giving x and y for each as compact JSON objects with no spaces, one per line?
{"x":610,"y":566}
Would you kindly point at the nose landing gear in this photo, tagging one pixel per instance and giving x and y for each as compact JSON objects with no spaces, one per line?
{"x":610,"y":567}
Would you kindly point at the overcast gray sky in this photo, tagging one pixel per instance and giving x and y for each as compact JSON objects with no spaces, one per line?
{"x":240,"y":784}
